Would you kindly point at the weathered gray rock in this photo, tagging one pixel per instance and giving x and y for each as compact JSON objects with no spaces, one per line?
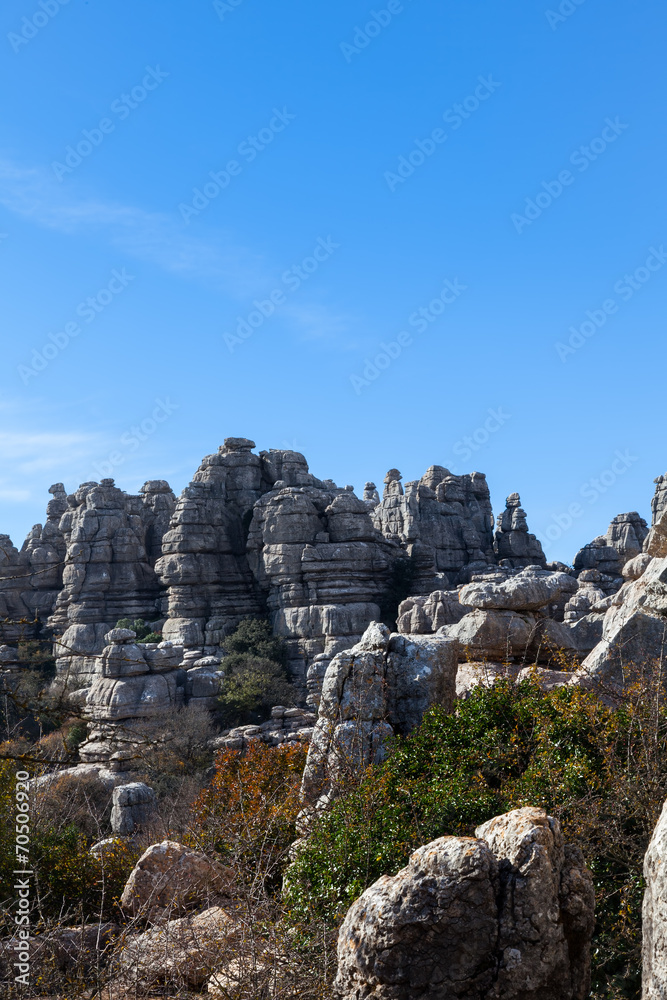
{"x":443,"y":521}
{"x":655,"y":543}
{"x":424,"y":615}
{"x":609,"y":553}
{"x":384,"y":684}
{"x":502,"y":635}
{"x":654,"y":914}
{"x":529,"y":590}
{"x":634,"y":637}
{"x":512,"y":541}
{"x":507,"y":916}
{"x":134,"y":806}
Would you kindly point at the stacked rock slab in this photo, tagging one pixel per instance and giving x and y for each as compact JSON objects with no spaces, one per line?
{"x":134,"y":682}
{"x":382,"y":685}
{"x":609,"y":553}
{"x":443,"y":521}
{"x":203,"y":565}
{"x":506,"y":916}
{"x":43,"y":556}
{"x":108,"y":573}
{"x":15,"y":617}
{"x":509,"y":619}
{"x":513,"y":544}
{"x":323,"y":566}
{"x":655,"y":543}
{"x":634,"y":634}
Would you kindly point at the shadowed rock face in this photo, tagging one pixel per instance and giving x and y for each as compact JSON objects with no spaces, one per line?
{"x":506,"y":916}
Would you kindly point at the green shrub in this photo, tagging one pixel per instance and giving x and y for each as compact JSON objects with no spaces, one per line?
{"x":252,"y":685}
{"x":602,"y":772}
{"x":254,"y":636}
{"x":144,"y":631}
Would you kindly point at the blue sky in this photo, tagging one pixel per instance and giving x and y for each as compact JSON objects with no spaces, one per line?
{"x":453,"y":190}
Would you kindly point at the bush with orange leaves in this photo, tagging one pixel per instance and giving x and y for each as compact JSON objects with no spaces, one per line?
{"x":247,"y":815}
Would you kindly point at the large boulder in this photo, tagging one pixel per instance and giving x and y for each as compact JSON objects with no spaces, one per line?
{"x":171,"y":877}
{"x":654,"y":914}
{"x":529,"y":590}
{"x":507,"y":915}
{"x":501,"y":635}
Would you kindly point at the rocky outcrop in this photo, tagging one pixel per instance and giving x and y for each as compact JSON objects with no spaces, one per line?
{"x":508,"y":916}
{"x":134,"y":806}
{"x":133,"y":682}
{"x":609,"y":553}
{"x":323,"y":566}
{"x":654,"y":914}
{"x":443,"y":521}
{"x":425,"y":615}
{"x":634,"y":636}
{"x":513,"y":544}
{"x":655,"y":543}
{"x":108,"y":573}
{"x":383,"y":685}
{"x":286,"y":726}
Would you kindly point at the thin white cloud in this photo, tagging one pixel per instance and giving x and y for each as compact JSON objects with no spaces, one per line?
{"x":35,"y":195}
{"x":161,"y":239}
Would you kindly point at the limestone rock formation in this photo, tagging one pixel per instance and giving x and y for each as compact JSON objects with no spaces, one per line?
{"x":655,"y":543}
{"x":512,"y":541}
{"x":609,"y":553}
{"x":423,"y":615}
{"x":382,"y":685}
{"x":134,"y":806}
{"x":131,"y":682}
{"x":529,"y":590}
{"x":108,"y":573}
{"x":634,"y":637}
{"x":654,"y":914}
{"x":506,"y":916}
{"x":443,"y":521}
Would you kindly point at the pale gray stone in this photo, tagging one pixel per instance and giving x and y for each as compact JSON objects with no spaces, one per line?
{"x":506,"y":916}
